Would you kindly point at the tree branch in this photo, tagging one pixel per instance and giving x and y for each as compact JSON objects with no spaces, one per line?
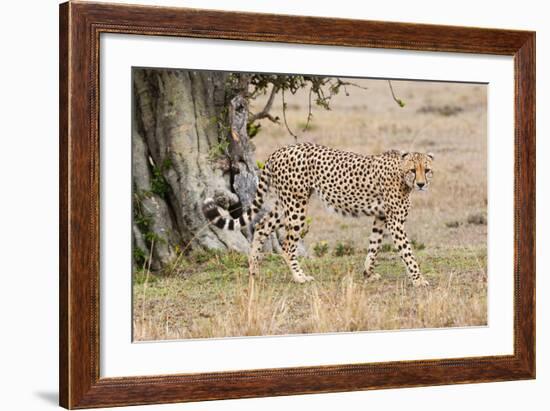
{"x":309,"y":113}
{"x":349,"y":83}
{"x":284,"y":116}
{"x":265,"y":111}
{"x":399,"y":102}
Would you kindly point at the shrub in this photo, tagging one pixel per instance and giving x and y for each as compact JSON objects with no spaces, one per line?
{"x":141,"y":277}
{"x":140,"y":257}
{"x":477,"y":219}
{"x":386,"y":247}
{"x":452,"y":224}
{"x":418,"y":246}
{"x":343,"y":249}
{"x":320,"y":248}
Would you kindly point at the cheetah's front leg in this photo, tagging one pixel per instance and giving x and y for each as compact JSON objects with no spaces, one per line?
{"x":294,"y":225}
{"x":375,"y":240}
{"x":290,"y":247}
{"x":401,"y":242}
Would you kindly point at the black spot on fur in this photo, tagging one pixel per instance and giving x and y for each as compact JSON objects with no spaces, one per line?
{"x":236,"y":210}
{"x":220,"y":223}
{"x":211,"y":212}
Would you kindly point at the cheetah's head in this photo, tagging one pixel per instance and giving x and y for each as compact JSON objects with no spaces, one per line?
{"x":417,"y":170}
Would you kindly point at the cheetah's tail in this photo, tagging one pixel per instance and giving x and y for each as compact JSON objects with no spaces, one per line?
{"x":238,"y":217}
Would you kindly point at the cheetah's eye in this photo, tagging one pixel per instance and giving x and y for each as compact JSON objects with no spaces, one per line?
{"x":412,"y":170}
{"x":428,"y":170}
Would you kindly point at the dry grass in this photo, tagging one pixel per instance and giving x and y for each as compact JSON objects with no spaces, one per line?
{"x":211,"y":296}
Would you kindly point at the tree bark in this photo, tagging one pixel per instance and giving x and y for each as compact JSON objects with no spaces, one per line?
{"x":189,"y":143}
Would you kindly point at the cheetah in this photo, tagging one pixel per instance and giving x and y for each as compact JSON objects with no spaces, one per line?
{"x":351,"y":184}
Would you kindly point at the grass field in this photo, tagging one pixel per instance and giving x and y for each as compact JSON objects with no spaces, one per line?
{"x":214,"y":299}
{"x":209,"y":295}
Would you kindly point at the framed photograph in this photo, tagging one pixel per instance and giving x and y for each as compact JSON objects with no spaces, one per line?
{"x":259,"y":205}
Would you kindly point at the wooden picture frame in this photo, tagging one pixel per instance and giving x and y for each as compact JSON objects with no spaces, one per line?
{"x":80,"y":27}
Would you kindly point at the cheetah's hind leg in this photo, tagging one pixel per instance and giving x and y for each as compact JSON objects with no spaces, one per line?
{"x":269,"y":222}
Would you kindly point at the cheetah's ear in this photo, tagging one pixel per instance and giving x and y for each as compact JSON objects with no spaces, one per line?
{"x":431,"y":155}
{"x":404,"y":154}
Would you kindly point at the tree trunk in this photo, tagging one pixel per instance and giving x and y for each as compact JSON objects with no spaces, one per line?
{"x":189,"y":143}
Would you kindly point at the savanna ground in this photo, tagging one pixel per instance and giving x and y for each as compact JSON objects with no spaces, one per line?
{"x":209,"y":294}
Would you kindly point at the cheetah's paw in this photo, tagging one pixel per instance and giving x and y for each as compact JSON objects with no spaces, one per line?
{"x":301,"y":278}
{"x":421,"y":282}
{"x":371,"y":278}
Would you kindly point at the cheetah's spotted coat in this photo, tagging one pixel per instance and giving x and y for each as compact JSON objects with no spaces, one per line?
{"x":351,"y":184}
